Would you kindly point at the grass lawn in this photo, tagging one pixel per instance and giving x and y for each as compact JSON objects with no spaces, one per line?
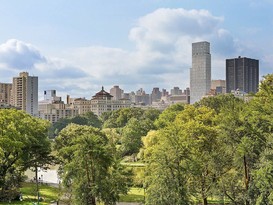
{"x":134,"y":195}
{"x":48,"y":193}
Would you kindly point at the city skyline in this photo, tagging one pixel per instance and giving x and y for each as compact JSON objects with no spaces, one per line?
{"x":76,"y":47}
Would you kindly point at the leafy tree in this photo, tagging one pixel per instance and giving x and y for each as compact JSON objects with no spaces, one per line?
{"x":119,"y":118}
{"x":23,"y":144}
{"x":219,"y":102}
{"x":132,"y":133}
{"x":183,"y":158}
{"x":259,"y":117}
{"x":168,"y":115}
{"x":165,"y":177}
{"x":88,"y":118}
{"x":88,"y":166}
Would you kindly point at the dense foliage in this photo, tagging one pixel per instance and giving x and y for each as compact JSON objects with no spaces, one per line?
{"x":88,"y":118}
{"x":23,"y":144}
{"x":89,"y":168}
{"x":220,"y":147}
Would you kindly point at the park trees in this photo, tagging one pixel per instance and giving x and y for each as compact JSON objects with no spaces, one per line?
{"x":88,"y":118}
{"x":130,"y":124}
{"x":260,"y":118}
{"x":183,"y":158}
{"x":88,"y":166}
{"x":23,"y":144}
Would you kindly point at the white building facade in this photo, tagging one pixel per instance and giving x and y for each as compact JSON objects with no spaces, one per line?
{"x":200,"y":73}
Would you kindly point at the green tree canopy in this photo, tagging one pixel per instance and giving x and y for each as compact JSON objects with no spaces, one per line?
{"x":168,"y":115}
{"x":88,"y":166}
{"x":23,"y":144}
{"x":88,"y":118}
{"x":182,"y":158}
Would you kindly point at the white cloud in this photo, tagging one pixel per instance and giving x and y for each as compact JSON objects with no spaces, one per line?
{"x":19,"y":55}
{"x":162,"y":51}
{"x":161,"y":58}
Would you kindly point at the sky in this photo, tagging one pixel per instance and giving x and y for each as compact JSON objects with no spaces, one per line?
{"x":76,"y":47}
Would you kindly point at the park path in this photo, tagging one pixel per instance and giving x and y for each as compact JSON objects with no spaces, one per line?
{"x":120,"y":203}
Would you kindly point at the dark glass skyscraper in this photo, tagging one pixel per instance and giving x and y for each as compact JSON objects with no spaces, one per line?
{"x":242,"y":74}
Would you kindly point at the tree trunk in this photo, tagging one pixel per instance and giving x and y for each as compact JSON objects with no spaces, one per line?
{"x":205,"y":201}
{"x":246,"y":178}
{"x":37,"y":184}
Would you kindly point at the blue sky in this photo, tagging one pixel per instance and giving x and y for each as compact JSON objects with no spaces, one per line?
{"x":76,"y":47}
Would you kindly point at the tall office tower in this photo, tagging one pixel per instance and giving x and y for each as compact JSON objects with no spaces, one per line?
{"x":25,"y":93}
{"x":242,"y":74}
{"x":116,"y":92}
{"x":200,"y":73}
{"x":5,"y":93}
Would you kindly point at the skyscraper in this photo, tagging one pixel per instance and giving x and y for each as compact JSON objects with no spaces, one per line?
{"x":242,"y":74}
{"x":200,"y":73}
{"x":25,"y":93}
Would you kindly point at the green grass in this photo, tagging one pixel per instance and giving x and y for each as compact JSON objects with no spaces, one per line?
{"x":134,"y":195}
{"x":48,"y":193}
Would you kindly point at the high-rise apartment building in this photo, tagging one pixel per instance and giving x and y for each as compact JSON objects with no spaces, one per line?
{"x":25,"y":93}
{"x":200,"y":73}
{"x":5,"y":93}
{"x":242,"y":74}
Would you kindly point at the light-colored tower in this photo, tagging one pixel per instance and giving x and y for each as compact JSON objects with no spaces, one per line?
{"x":25,"y":93}
{"x":116,"y":92}
{"x":200,"y":73}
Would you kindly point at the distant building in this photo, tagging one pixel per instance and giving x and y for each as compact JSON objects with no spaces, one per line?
{"x":140,"y":98}
{"x":101,"y":102}
{"x":156,"y":95}
{"x":200,"y":73}
{"x":52,"y":108}
{"x":5,"y":93}
{"x":242,"y":95}
{"x":116,"y":92}
{"x":176,"y":91}
{"x":218,"y":86}
{"x":242,"y":74}
{"x":25,"y":93}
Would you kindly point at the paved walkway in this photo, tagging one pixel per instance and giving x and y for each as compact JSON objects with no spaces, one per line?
{"x":120,"y":203}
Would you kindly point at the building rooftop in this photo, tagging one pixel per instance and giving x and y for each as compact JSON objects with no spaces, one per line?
{"x":102,"y":95}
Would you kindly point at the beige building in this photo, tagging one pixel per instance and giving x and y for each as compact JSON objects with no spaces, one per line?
{"x":218,"y":86}
{"x":25,"y":93}
{"x":5,"y":93}
{"x":52,"y":108}
{"x":101,"y":102}
{"x":53,"y":112}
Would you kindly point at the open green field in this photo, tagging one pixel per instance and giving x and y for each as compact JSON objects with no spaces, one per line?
{"x":48,"y":193}
{"x":134,"y":195}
